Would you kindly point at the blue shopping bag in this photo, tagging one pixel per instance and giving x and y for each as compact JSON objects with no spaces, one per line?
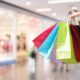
{"x":47,"y":46}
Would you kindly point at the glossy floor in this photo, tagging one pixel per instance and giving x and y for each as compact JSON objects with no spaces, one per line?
{"x":42,"y":72}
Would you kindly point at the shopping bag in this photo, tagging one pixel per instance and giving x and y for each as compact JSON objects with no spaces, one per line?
{"x":72,"y":60}
{"x":53,"y":56}
{"x":75,"y":33}
{"x":46,"y":47}
{"x":40,"y":39}
{"x":65,"y":51}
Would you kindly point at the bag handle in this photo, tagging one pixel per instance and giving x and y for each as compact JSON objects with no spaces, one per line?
{"x":68,"y":21}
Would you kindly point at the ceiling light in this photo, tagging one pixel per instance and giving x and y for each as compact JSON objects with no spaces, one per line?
{"x":0,"y":11}
{"x":62,"y":1}
{"x":54,"y":14}
{"x":44,"y":10}
{"x":74,"y":8}
{"x":10,"y":14}
{"x":28,"y":3}
{"x":21,"y":21}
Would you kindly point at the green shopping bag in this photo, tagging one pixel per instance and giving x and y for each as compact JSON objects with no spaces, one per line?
{"x":65,"y":51}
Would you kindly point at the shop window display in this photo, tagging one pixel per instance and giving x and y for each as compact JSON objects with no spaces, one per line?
{"x":6,"y":45}
{"x":22,"y":52}
{"x":6,"y":38}
{"x":26,"y":29}
{"x":7,"y":54}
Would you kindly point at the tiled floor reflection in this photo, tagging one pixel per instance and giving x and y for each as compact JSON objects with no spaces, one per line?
{"x":42,"y":72}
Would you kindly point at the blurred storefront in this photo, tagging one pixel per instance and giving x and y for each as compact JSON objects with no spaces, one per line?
{"x":17,"y":31}
{"x":18,"y":56}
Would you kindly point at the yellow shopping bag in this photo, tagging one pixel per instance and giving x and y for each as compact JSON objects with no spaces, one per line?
{"x":65,"y":51}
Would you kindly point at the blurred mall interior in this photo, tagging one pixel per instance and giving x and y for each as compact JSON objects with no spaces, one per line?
{"x":20,"y":22}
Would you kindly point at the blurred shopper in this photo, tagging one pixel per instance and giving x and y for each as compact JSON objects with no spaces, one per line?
{"x":22,"y":50}
{"x":33,"y":54}
{"x":22,"y":57}
{"x":66,"y":66}
{"x":73,"y":21}
{"x":63,"y":66}
{"x":33,"y":60}
{"x":55,"y":67}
